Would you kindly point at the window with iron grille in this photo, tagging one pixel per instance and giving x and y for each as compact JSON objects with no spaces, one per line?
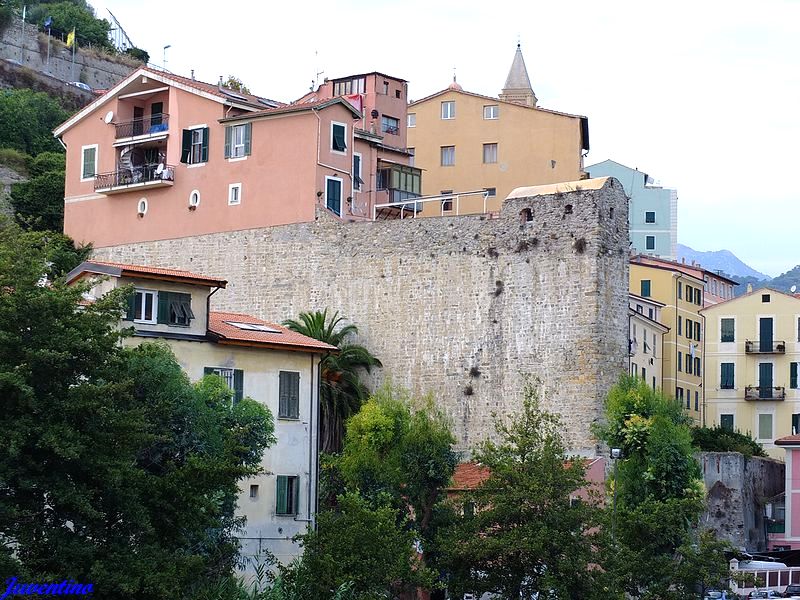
{"x":234,"y":379}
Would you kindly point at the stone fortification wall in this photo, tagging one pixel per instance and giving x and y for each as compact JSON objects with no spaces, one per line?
{"x":461,"y":307}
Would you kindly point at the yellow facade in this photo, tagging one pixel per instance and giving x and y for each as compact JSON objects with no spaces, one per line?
{"x":749,"y":380}
{"x":682,"y":365}
{"x":533,"y":146}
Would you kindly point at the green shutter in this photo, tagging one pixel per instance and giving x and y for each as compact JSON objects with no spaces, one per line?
{"x":645,"y":288}
{"x":186,"y":145}
{"x":296,"y":495}
{"x":238,"y":385}
{"x":208,"y":371}
{"x":283,"y":395}
{"x":131,"y":306}
{"x":89,"y":162}
{"x":289,"y":395}
{"x":163,"y":308}
{"x":338,"y":138}
{"x":726,"y":376}
{"x":793,"y":375}
{"x":248,"y":130}
{"x":228,"y":137}
{"x":204,"y":151}
{"x":281,"y":495}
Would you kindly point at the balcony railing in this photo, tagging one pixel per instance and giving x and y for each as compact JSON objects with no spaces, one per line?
{"x":758,"y":392}
{"x":154,"y":124}
{"x":392,"y":129}
{"x":764,"y":347}
{"x":146,"y":175}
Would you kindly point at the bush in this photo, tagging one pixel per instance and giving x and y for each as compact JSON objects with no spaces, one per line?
{"x":138,"y":54}
{"x":14,"y":159}
{"x":47,"y":162}
{"x":27,"y":120}
{"x":717,"y":439}
{"x":39,"y":203}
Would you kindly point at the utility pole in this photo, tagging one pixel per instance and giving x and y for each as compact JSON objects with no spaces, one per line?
{"x":22,"y":36}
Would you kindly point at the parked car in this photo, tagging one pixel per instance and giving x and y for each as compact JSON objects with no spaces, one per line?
{"x":765,"y":594}
{"x":717,"y":595}
{"x":792,"y":591}
{"x":80,"y":84}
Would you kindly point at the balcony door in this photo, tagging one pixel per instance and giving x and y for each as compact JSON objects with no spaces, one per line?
{"x":138,"y":118}
{"x":765,"y":380}
{"x":765,"y":334}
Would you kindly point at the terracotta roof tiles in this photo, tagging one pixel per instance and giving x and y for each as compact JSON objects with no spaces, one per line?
{"x":226,"y":327}
{"x":125,"y":270}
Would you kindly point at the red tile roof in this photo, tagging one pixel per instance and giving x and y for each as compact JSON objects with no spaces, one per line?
{"x":291,"y":108}
{"x":789,"y":440}
{"x":143,"y":272}
{"x":468,"y":476}
{"x":221,"y":329}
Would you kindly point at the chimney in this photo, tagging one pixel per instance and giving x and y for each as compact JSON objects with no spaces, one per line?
{"x":192,"y":74}
{"x":749,"y":288}
{"x":683,"y":259}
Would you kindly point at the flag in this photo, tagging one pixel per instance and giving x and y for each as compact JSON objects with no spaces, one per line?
{"x":71,"y":38}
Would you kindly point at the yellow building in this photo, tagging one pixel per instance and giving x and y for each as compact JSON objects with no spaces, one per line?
{"x":681,"y":294}
{"x":646,"y":340}
{"x":266,"y":362}
{"x":752,"y":356}
{"x":467,"y":142}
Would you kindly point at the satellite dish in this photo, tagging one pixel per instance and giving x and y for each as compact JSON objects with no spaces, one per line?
{"x":793,"y":289}
{"x":109,"y":116}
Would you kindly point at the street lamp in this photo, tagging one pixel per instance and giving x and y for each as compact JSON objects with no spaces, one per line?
{"x":164,"y":60}
{"x":616,"y":454}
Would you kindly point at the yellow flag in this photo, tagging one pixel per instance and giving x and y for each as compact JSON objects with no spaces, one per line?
{"x":71,"y":38}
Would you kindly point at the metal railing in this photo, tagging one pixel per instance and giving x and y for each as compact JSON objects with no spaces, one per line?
{"x":415,"y":205}
{"x":759,"y":392}
{"x":764,"y":347}
{"x":136,"y":175}
{"x":151,"y":125}
{"x":393,"y":129}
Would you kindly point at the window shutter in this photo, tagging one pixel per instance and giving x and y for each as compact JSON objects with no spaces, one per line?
{"x":238,"y":385}
{"x":296,"y":495}
{"x":228,"y":137}
{"x":131,"y":310}
{"x":294,"y":395}
{"x":281,"y":493}
{"x":186,"y":145}
{"x":793,"y":375}
{"x":289,"y":395}
{"x":283,"y":395}
{"x":163,"y":307}
{"x":204,"y":151}
{"x":248,"y":129}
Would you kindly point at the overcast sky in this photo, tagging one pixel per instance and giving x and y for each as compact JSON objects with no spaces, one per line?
{"x":702,"y":95}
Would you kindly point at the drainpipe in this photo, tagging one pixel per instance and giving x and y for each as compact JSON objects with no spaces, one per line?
{"x":60,"y":141}
{"x":313,"y":450}
{"x":703,"y":360}
{"x":208,"y":307}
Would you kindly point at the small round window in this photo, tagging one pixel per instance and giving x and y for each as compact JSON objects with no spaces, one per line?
{"x":194,"y":199}
{"x":142,"y":207}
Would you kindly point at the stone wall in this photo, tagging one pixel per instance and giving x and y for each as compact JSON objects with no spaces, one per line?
{"x":738,"y":488}
{"x":97,"y":69}
{"x":462,"y":307}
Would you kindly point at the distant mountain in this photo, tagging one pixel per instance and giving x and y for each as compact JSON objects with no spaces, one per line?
{"x":720,"y":260}
{"x":785,"y":281}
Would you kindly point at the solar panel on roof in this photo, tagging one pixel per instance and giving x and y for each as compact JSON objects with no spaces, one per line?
{"x":268,"y":102}
{"x":233,"y":94}
{"x":253,"y":327}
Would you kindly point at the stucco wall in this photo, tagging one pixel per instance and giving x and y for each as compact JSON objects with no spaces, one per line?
{"x":435,"y":298}
{"x":737,"y":490}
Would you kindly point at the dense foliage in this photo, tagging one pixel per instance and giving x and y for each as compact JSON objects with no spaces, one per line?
{"x":73,"y":14}
{"x":717,"y":439}
{"x":27,"y":120}
{"x":115,"y":468}
{"x":342,"y":390}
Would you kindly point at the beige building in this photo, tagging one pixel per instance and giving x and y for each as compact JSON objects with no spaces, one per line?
{"x":466,"y":142}
{"x":752,"y":357}
{"x":266,"y":362}
{"x":646,"y":340}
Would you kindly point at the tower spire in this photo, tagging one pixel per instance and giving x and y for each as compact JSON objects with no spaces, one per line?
{"x":518,"y":85}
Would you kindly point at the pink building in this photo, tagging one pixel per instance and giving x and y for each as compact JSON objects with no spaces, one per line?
{"x":161,"y":156}
{"x":784,"y":525}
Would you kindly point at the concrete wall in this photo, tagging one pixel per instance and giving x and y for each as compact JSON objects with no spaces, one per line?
{"x":91,"y":67}
{"x":436,"y":297}
{"x":737,"y":490}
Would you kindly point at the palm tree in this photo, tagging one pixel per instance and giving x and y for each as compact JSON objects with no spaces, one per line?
{"x":342,"y":391}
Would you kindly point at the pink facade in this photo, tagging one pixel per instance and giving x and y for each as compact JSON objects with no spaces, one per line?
{"x":160,"y":157}
{"x":790,"y":536}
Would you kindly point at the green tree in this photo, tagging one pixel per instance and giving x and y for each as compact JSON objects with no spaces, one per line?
{"x":27,"y":120}
{"x":115,"y":468}
{"x":342,"y":391}
{"x":39,"y":202}
{"x":78,"y":15}
{"x":236,"y":84}
{"x":521,"y":534}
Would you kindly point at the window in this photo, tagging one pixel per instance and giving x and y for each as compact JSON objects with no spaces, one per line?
{"x":489,"y":153}
{"x":448,"y":156}
{"x":333,"y":195}
{"x":680,"y":361}
{"x":234,"y":378}
{"x":175,"y":308}
{"x":237,"y":140}
{"x":141,"y":207}
{"x":254,"y":491}
{"x":689,"y":328}
{"x":645,"y":291}
{"x":390,"y":125}
{"x":491,"y":111}
{"x":338,"y":137}
{"x":411,"y":120}
{"x":654,"y":346}
{"x":726,"y":422}
{"x":679,"y":394}
{"x":697,"y":366}
{"x":634,"y":369}
{"x":398,"y":94}
{"x":764,"y":297}
{"x":447,"y":205}
{"x":357,"y":181}
{"x":386,"y":88}
{"x":697,"y":331}
{"x":449,"y":109}
{"x":194,"y":147}
{"x":698,"y":296}
{"x":649,"y":242}
{"x":88,"y":162}
{"x":357,"y":85}
{"x":727,"y":328}
{"x":680,"y":325}
{"x":689,"y":294}
{"x":644,"y":373}
{"x":680,"y":290}
{"x":640,"y":309}
{"x":287,"y":495}
{"x":650,"y":313}
{"x":726,"y":375}
{"x":650,"y":216}
{"x":411,"y":153}
{"x":490,"y":191}
{"x":688,"y":367}
{"x":194,"y":199}
{"x":289,"y":395}
{"x":142,"y":306}
{"x":696,"y":400}
{"x":795,"y":424}
{"x":793,"y":375}
{"x":765,"y":426}
{"x":234,"y":194}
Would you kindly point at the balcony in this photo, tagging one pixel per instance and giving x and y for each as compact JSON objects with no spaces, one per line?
{"x":757,"y":392}
{"x":764,"y":347}
{"x":144,"y":176}
{"x":146,"y":127}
